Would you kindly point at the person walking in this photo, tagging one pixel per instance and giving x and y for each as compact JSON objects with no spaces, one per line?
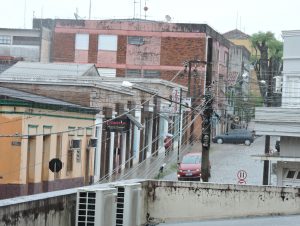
{"x":168,"y":144}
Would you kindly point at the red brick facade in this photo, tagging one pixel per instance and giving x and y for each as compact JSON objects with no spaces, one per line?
{"x":63,"y":47}
{"x":93,"y":48}
{"x":174,"y":51}
{"x":121,"y":52}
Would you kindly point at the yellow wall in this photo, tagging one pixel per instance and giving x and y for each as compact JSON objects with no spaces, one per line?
{"x":246,"y":43}
{"x":21,"y":165}
{"x":9,"y":154}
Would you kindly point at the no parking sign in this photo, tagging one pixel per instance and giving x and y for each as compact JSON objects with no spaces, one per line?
{"x":242,"y":175}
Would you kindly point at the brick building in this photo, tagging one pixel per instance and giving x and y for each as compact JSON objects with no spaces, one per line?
{"x":143,"y":48}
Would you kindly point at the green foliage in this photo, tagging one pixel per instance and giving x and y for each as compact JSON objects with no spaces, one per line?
{"x":266,"y":41}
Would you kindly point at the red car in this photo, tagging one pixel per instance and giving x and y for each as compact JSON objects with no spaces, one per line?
{"x":190,"y":167}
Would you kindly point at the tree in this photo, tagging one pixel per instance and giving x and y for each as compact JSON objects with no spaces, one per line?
{"x":269,"y":61}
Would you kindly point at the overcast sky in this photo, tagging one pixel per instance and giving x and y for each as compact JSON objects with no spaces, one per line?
{"x":223,"y":15}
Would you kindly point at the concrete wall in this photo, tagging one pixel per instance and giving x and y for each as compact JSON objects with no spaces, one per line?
{"x":57,"y":210}
{"x":174,"y":201}
{"x":163,"y":201}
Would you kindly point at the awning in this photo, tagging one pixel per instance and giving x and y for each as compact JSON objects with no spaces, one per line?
{"x":276,"y":158}
{"x":134,"y":121}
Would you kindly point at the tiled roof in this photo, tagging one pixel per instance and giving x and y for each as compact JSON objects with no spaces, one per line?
{"x":236,"y":34}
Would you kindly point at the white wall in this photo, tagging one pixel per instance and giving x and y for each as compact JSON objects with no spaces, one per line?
{"x":177,"y":201}
{"x":289,"y":146}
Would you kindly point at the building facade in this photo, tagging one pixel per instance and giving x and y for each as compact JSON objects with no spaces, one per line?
{"x":284,"y":121}
{"x":36,"y":129}
{"x":149,"y":118}
{"x":143,"y":49}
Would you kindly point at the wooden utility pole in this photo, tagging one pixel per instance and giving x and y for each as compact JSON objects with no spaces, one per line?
{"x":207,"y":113}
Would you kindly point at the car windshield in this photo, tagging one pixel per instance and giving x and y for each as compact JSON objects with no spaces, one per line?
{"x":191,"y":159}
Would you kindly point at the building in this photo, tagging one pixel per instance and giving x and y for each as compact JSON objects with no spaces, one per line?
{"x":145,"y":109}
{"x":238,"y":87}
{"x":240,"y":38}
{"x":134,"y":48}
{"x":36,"y":129}
{"x":284,"y":121}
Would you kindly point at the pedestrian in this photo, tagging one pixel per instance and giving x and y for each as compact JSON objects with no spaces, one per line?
{"x":168,"y":144}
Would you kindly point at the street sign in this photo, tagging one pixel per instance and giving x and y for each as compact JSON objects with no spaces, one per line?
{"x":176,"y":99}
{"x":55,"y":165}
{"x":242,"y":175}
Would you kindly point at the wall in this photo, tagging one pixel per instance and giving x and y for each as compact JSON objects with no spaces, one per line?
{"x":58,"y":210}
{"x":162,"y":200}
{"x":174,"y":201}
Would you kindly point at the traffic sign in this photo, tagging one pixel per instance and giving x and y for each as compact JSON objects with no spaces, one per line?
{"x":55,"y":165}
{"x":242,"y":175}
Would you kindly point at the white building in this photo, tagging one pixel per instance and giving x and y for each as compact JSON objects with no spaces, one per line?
{"x":285,"y":121}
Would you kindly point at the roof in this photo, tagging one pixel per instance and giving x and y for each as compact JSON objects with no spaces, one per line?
{"x":59,"y":70}
{"x":38,"y":100}
{"x":236,"y":34}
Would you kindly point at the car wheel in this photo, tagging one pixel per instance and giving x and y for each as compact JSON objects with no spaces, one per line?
{"x":247,"y":142}
{"x":220,"y":141}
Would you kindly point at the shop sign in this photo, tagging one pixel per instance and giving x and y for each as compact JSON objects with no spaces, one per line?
{"x":117,"y":125}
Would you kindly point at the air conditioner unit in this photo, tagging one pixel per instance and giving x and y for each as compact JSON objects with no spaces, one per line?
{"x":129,"y":205}
{"x":92,"y":143}
{"x":96,"y":207}
{"x":75,"y":144}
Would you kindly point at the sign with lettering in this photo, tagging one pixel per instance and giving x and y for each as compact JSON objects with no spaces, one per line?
{"x":16,"y":143}
{"x":117,"y":125}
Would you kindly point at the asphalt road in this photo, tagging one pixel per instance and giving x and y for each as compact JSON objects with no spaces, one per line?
{"x":227,"y":159}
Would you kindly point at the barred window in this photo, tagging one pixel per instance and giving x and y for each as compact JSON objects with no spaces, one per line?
{"x":133,"y":73}
{"x":151,"y":73}
{"x":5,"y":39}
{"x":135,"y":40}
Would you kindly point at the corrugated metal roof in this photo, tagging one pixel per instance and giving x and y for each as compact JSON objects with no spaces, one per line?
{"x":36,"y":69}
{"x":34,"y":98}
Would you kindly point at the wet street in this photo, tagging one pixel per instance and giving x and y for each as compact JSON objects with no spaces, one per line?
{"x":227,"y":159}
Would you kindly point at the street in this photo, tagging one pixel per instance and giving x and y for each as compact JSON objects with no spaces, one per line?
{"x":227,"y":159}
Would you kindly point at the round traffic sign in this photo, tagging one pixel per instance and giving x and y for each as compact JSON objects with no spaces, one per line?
{"x":55,"y":165}
{"x":242,"y":174}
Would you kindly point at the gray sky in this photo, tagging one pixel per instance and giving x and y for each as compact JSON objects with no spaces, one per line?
{"x":220,"y":14}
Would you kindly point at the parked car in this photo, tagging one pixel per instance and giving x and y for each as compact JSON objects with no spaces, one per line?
{"x":236,"y":136}
{"x":190,"y":167}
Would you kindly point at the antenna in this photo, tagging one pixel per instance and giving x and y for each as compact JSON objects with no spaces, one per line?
{"x":90,"y":9}
{"x":146,"y":9}
{"x":25,"y":5}
{"x":76,"y":14}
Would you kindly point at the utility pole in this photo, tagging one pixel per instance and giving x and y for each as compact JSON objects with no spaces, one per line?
{"x":179,"y":129}
{"x":267,"y":139}
{"x":207,"y":113}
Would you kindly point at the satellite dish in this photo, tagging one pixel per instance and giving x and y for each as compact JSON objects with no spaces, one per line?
{"x":168,"y":18}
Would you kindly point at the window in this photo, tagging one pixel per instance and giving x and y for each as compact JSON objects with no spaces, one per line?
{"x":5,"y":39}
{"x":135,"y":40}
{"x":70,"y":161}
{"x":89,"y":131}
{"x":21,"y":40}
{"x":82,"y":42}
{"x":151,"y":74}
{"x":108,"y":42}
{"x":134,"y":73}
{"x":290,"y":174}
{"x":298,"y":176}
